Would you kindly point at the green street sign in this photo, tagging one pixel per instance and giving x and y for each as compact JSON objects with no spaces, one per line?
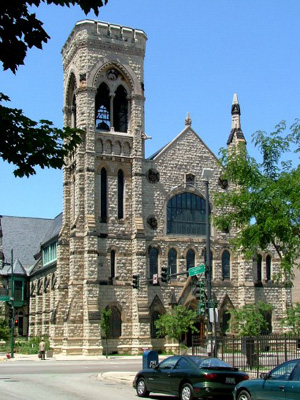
{"x":4,"y":298}
{"x":200,"y":269}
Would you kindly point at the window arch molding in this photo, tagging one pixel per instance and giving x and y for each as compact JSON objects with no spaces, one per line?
{"x":130,"y":81}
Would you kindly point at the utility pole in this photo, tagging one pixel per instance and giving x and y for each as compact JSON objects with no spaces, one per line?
{"x":206,"y":175}
{"x":12,"y":328}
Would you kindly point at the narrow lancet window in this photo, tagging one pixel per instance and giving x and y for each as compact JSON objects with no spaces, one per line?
{"x":120,"y":194}
{"x":103,"y":209}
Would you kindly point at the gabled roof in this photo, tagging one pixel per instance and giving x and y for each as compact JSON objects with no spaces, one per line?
{"x":54,"y":229}
{"x":24,"y":236}
{"x":18,"y":269}
{"x":187,"y":129}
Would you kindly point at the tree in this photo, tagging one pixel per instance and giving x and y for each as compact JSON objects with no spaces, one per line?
{"x":176,"y":322}
{"x":24,"y":142}
{"x":263,"y":202}
{"x":292,"y":319}
{"x":105,"y":324}
{"x":4,"y":329}
{"x":250,"y":320}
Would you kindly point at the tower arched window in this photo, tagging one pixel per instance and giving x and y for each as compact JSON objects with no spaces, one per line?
{"x":226,"y":264}
{"x":72,"y":100}
{"x":115,"y":323}
{"x":268,"y":267}
{"x":102,"y":108}
{"x":73,"y":113}
{"x":103,"y":195}
{"x":259,"y":267}
{"x":190,"y":259}
{"x":153,"y":261}
{"x":112,"y":264}
{"x":186,"y":215}
{"x":172,"y":261}
{"x":120,"y":194}
{"x":120,"y":110}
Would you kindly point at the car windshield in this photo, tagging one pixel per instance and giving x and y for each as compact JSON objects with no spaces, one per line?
{"x":210,"y":363}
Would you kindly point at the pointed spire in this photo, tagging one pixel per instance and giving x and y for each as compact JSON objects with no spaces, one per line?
{"x":188,"y":121}
{"x":235,"y":112}
{"x":236,"y":133}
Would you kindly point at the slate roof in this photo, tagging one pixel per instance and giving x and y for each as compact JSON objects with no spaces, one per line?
{"x":25,"y":235}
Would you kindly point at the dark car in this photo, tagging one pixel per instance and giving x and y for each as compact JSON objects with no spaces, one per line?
{"x":282,"y":383}
{"x":189,"y":377}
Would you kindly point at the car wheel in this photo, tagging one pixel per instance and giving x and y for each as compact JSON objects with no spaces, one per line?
{"x":244,"y":395}
{"x":141,"y":389}
{"x":186,"y":392}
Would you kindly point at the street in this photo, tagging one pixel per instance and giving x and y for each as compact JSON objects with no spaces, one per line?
{"x":68,"y":380}
{"x":64,"y":380}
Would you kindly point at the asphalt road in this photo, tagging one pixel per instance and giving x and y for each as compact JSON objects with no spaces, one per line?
{"x":64,"y":380}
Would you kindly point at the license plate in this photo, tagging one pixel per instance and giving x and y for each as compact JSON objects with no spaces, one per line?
{"x":230,"y":381}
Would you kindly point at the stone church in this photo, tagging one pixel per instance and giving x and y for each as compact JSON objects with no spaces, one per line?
{"x":125,"y":214}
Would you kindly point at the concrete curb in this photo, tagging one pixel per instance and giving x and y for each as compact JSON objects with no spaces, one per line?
{"x":122,"y":377}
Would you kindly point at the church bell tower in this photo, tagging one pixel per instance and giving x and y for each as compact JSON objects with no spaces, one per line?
{"x":103,"y":67}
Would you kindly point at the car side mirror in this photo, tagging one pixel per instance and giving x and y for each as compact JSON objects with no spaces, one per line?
{"x":264,"y":375}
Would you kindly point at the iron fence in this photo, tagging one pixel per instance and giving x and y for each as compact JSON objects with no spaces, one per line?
{"x":251,"y":354}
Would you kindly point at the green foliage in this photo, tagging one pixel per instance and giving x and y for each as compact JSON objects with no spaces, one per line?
{"x":105,"y":325}
{"x":20,"y":29}
{"x":292,"y":319}
{"x":104,"y":322}
{"x":29,"y":346}
{"x":263,"y":201}
{"x":176,"y":322}
{"x":4,"y":329}
{"x":28,"y":144}
{"x":250,"y":320}
{"x":24,"y":142}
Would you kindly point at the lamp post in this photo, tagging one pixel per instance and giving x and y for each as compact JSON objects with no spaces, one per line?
{"x":206,"y":175}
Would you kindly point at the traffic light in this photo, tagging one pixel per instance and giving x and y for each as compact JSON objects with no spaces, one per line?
{"x":164,"y":274}
{"x":16,"y":322}
{"x":11,"y":313}
{"x":200,"y":296}
{"x":135,"y":281}
{"x":198,"y":292}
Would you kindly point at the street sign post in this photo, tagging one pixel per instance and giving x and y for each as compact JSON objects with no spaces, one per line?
{"x":200,"y":269}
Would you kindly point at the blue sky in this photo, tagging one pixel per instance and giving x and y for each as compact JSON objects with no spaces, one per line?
{"x":199,"y":53}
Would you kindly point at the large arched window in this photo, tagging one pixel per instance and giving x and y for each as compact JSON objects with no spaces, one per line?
{"x":153,"y":261}
{"x":120,"y":112}
{"x":268,"y":267}
{"x":190,"y":259}
{"x":186,"y":215}
{"x":103,"y":195}
{"x":102,"y":108}
{"x":172,"y":261}
{"x":120,"y":194}
{"x":226,"y":264}
{"x":115,"y":323}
